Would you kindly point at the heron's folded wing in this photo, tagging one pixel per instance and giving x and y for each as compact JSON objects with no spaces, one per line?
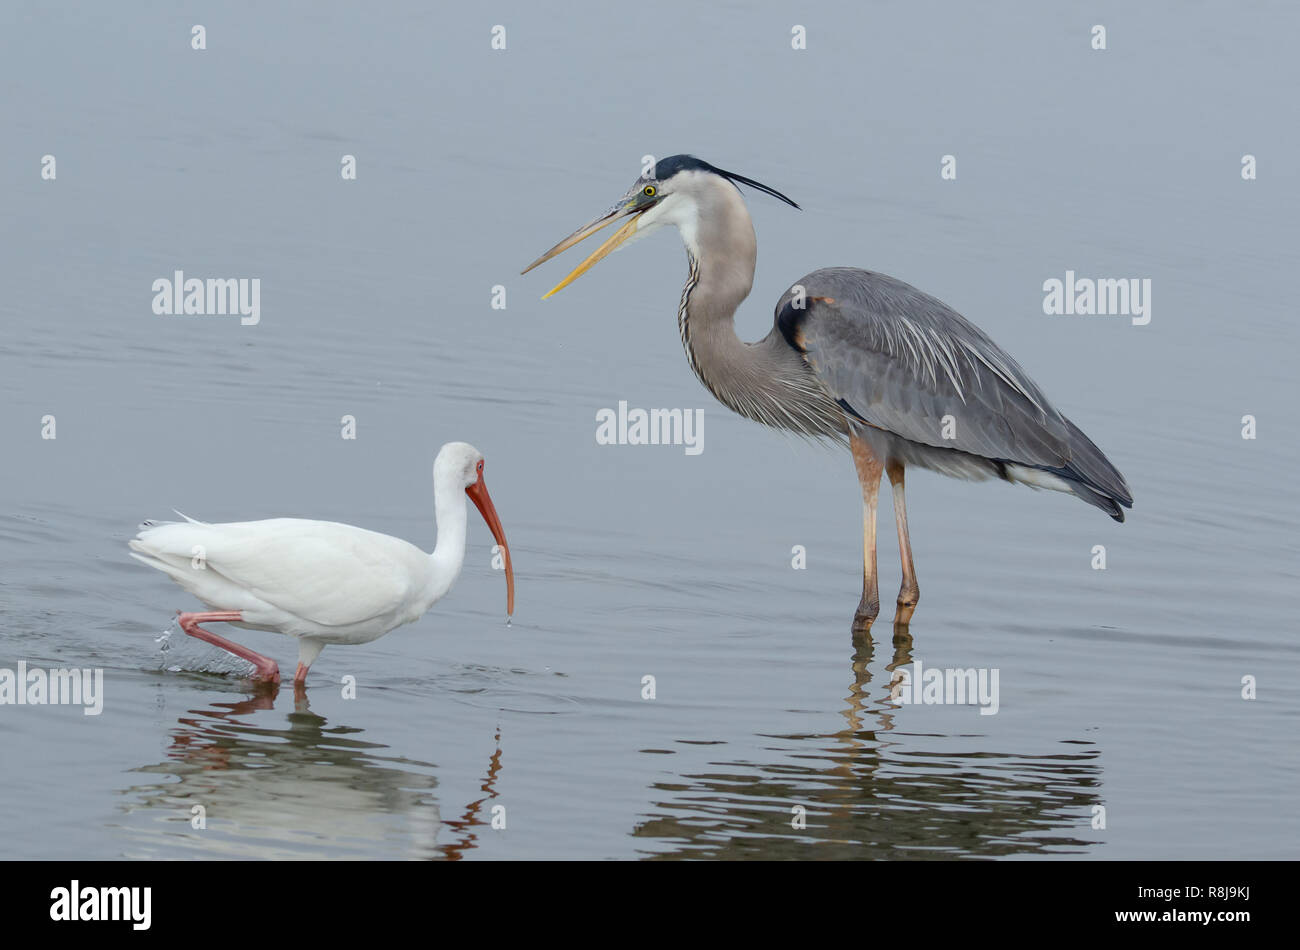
{"x":902,"y":361}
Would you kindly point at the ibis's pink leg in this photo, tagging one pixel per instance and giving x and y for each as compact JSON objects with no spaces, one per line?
{"x":300,"y":676}
{"x":267,"y":668}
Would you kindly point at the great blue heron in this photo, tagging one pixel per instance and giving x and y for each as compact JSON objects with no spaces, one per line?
{"x":856,"y":357}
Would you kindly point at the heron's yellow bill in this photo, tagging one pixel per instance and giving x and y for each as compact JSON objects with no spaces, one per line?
{"x":584,"y":232}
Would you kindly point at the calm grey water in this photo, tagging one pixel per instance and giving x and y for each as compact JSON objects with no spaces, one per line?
{"x":1120,"y":688}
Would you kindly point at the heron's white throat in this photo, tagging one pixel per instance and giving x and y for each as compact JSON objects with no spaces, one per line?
{"x":676,"y":209}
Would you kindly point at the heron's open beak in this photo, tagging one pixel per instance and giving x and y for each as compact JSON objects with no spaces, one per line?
{"x":622,"y":209}
{"x":478,"y":494}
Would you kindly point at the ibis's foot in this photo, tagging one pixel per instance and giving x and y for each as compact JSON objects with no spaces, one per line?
{"x":268,"y":672}
{"x":868,"y":611}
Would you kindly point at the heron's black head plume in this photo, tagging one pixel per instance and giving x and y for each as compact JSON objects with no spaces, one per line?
{"x":666,"y":168}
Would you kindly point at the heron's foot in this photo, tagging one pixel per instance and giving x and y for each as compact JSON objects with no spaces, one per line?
{"x":908,"y":598}
{"x":868,"y":611}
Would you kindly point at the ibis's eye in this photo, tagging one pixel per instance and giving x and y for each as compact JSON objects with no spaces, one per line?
{"x":480,"y":467}
{"x":648,"y":191}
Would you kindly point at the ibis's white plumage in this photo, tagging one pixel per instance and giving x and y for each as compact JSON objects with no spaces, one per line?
{"x":322,"y":581}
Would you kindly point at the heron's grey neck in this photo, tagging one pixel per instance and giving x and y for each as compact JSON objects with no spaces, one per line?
{"x":766,"y":381}
{"x":449,"y":553}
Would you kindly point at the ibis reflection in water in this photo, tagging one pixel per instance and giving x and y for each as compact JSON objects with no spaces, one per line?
{"x":856,"y":357}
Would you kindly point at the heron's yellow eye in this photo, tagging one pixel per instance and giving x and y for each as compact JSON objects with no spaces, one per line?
{"x":648,"y":191}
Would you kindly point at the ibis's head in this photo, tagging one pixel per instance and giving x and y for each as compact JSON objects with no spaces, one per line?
{"x":460,"y":466}
{"x":678,"y":191}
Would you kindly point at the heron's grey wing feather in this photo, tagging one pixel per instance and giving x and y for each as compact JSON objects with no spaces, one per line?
{"x":902,"y":361}
{"x":1090,"y":465}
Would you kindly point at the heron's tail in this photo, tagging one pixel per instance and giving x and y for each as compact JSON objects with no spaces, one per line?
{"x":1092,"y":477}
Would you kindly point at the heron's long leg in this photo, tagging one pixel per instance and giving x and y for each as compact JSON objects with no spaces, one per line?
{"x":910,"y":592}
{"x":869,"y":469}
{"x":267,"y":668}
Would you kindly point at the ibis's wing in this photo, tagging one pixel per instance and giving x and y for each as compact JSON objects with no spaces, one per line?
{"x":328,"y":573}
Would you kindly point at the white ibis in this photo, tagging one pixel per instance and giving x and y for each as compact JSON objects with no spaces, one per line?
{"x":321,"y":581}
